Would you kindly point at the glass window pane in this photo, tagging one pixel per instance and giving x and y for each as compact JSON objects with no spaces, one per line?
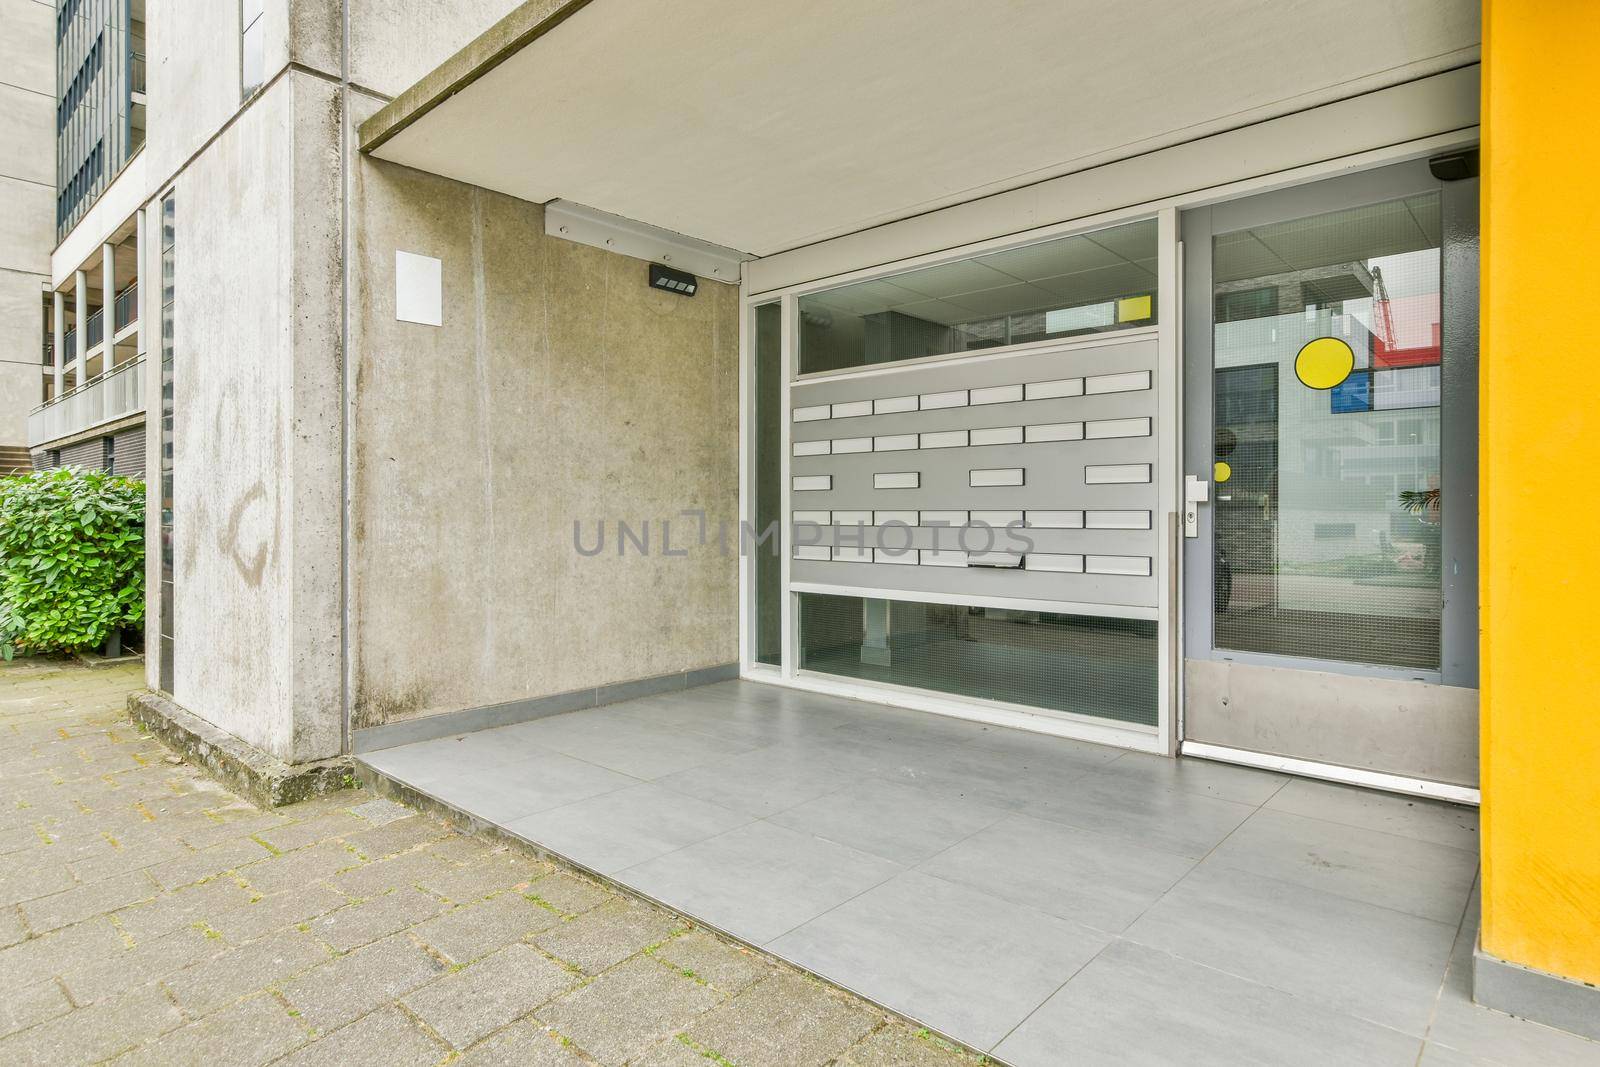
{"x":769,"y":487}
{"x":254,"y":59}
{"x":1327,"y":505}
{"x":1087,"y":283}
{"x":1089,"y":666}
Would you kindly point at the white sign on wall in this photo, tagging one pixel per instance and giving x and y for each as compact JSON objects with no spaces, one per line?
{"x":418,"y":289}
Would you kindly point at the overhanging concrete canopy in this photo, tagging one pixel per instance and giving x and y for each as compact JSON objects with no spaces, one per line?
{"x":763,"y":126}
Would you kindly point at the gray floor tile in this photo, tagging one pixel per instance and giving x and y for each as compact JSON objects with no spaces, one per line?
{"x":643,"y":750}
{"x":1426,"y":820}
{"x":763,"y":782}
{"x":1025,"y":745}
{"x":1185,"y":823}
{"x":1096,"y":880}
{"x":947,"y":955}
{"x":1396,"y":872}
{"x":1137,"y":1006}
{"x":760,"y":880}
{"x":1243,"y":785}
{"x":1355,"y":958}
{"x":619,"y":829}
{"x":897,"y":822}
{"x":528,"y":785}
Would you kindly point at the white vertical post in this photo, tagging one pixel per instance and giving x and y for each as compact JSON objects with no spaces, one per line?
{"x":59,"y":360}
{"x":108,"y":302}
{"x":80,"y":314}
{"x":142,"y":276}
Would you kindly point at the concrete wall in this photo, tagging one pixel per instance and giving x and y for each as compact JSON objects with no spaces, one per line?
{"x":256,"y":496}
{"x":27,"y":204}
{"x":560,"y":388}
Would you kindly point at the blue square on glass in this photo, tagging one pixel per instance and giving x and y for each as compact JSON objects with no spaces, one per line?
{"x":1351,"y":395}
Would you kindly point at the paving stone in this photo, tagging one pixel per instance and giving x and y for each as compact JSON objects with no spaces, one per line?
{"x":359,"y":924}
{"x":730,"y":968}
{"x":44,"y":957}
{"x":628,"y":1009}
{"x":348,"y":987}
{"x":387,"y":1034}
{"x":526,"y":1044}
{"x":459,"y":848}
{"x":477,"y":929}
{"x":142,"y":964}
{"x":257,"y":916}
{"x":784,"y":1021}
{"x":11,"y":928}
{"x":674,"y":1052}
{"x":570,"y":893}
{"x":395,"y":836}
{"x":251,"y":1032}
{"x":20,"y":881}
{"x":484,"y":996}
{"x":86,"y":901}
{"x":380,"y":811}
{"x":294,"y":835}
{"x":31,"y":1006}
{"x":208,"y":986}
{"x":485,"y":875}
{"x":381,"y":875}
{"x":95,"y":1033}
{"x":277,"y":873}
{"x":130,"y":855}
{"x":226,"y":824}
{"x":608,"y":934}
{"x":174,"y":911}
{"x":207,"y":862}
{"x":897,"y":1044}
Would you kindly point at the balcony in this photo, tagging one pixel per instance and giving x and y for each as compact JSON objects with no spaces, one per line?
{"x":114,"y":395}
{"x":126,"y":307}
{"x":136,"y":73}
{"x":97,"y":327}
{"x":49,"y":354}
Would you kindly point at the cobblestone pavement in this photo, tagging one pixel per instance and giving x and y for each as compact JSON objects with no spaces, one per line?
{"x":149,"y":916}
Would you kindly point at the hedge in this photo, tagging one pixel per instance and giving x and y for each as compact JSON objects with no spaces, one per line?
{"x":71,"y":559}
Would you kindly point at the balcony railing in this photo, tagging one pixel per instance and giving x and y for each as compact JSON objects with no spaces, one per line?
{"x":49,"y":354}
{"x":136,"y":73}
{"x":70,"y":343}
{"x":114,"y":395}
{"x":97,"y":328}
{"x":127,"y":306}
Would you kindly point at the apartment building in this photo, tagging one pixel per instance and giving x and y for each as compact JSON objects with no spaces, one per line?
{"x":1168,"y":378}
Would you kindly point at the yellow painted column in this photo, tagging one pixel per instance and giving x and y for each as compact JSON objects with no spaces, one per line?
{"x":1540,"y":510}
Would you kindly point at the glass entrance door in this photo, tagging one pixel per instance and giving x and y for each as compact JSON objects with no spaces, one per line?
{"x":1329,"y":354}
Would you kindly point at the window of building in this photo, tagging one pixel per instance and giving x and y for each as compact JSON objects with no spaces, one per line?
{"x":1087,"y":283}
{"x":768,"y":357}
{"x":108,"y":454}
{"x":252,"y":53}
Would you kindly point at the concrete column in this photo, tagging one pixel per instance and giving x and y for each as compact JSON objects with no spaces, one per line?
{"x":58,"y":309}
{"x":108,"y":300}
{"x":143,"y":260}
{"x":80,"y":311}
{"x":1539,"y":943}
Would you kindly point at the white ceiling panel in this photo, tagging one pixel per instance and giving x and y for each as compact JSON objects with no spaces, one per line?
{"x":762,"y":126}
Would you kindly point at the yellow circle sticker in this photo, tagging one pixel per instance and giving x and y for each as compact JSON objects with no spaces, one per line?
{"x":1221,"y":471}
{"x":1324,"y":363}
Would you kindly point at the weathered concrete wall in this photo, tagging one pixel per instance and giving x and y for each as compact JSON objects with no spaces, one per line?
{"x":27,"y":203}
{"x":560,"y":388}
{"x":257,"y":475}
{"x":393,"y":43}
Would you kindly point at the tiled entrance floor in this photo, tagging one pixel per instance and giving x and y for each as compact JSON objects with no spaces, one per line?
{"x":1038,"y":898}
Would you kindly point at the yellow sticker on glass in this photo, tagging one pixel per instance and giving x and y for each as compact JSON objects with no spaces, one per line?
{"x":1221,"y":471}
{"x":1133,"y":308}
{"x":1324,"y":363}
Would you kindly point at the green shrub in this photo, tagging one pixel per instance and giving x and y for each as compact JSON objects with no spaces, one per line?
{"x":71,"y":559}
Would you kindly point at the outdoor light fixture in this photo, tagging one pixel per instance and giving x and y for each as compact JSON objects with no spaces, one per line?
{"x":673,"y":281}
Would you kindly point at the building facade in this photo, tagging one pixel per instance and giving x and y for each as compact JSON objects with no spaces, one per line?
{"x":1182,"y":422}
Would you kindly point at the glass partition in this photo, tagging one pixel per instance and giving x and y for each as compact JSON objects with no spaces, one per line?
{"x":1086,"y":283}
{"x":1327,"y":345}
{"x":1101,"y":667}
{"x":768,"y":447}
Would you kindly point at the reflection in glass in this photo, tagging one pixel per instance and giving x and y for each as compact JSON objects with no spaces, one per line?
{"x":1087,"y":283}
{"x":1327,"y":527}
{"x":1105,"y":668}
{"x":769,"y":486}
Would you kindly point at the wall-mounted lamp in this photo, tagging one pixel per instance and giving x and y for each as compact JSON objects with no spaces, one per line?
{"x":673,"y":281}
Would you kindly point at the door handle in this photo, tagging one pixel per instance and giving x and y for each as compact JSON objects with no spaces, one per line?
{"x":1196,"y":491}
